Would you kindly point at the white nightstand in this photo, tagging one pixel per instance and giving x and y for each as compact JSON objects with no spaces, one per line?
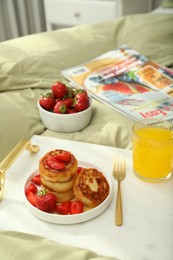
{"x":67,"y":13}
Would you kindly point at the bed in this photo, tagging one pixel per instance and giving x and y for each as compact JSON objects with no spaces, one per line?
{"x":29,"y":65}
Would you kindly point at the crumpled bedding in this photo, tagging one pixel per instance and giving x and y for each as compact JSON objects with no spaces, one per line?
{"x":39,"y":248}
{"x":30,"y":64}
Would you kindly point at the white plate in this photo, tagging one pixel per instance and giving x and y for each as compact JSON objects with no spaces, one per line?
{"x":70,"y":219}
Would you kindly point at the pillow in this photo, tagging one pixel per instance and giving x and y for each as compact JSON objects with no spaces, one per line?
{"x":167,"y":4}
{"x":35,"y":61}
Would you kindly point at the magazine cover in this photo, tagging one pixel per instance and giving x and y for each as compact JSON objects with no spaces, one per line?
{"x":127,"y":81}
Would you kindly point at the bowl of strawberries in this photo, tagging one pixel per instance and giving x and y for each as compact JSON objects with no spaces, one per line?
{"x":65,"y":108}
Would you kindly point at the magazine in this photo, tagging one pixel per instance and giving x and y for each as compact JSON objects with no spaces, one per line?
{"x":127,"y":81}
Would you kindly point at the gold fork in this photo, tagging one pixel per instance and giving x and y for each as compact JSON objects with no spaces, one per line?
{"x":119,"y":172}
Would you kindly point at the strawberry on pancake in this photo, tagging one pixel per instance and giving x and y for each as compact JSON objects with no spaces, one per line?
{"x":54,"y":169}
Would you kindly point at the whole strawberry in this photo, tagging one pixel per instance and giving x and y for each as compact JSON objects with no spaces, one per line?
{"x":46,"y":201}
{"x":81,"y":102}
{"x":59,"y":90}
{"x":60,"y":107}
{"x":47,"y":101}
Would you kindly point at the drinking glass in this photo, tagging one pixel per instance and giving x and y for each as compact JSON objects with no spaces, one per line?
{"x":152,"y":150}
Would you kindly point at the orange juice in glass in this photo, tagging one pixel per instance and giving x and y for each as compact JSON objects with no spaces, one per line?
{"x":153,"y":150}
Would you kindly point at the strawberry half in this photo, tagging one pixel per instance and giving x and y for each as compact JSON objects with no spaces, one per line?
{"x":31,"y":197}
{"x":76,"y":207}
{"x":63,"y":208}
{"x":31,"y":188}
{"x":36,"y":179}
{"x":65,"y":156}
{"x":54,"y":164}
{"x":79,"y":169}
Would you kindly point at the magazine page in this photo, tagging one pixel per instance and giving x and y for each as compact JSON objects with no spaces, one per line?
{"x":127,"y":81}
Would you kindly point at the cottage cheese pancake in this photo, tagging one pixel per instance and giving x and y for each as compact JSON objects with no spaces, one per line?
{"x":91,"y":187}
{"x":63,"y":196}
{"x":57,"y":186}
{"x":50,"y":167}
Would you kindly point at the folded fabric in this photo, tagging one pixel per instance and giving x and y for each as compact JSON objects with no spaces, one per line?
{"x":22,"y":246}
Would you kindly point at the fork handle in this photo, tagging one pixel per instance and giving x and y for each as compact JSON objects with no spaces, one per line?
{"x":118,"y":214}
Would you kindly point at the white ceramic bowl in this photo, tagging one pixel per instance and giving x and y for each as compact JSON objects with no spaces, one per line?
{"x":66,"y":123}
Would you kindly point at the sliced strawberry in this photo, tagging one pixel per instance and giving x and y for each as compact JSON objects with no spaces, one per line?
{"x":63,"y":208}
{"x":31,"y":197}
{"x":54,"y":164}
{"x":64,"y":156}
{"x":36,"y":179}
{"x":31,"y":188}
{"x":46,"y":201}
{"x":76,"y":207}
{"x":79,"y":169}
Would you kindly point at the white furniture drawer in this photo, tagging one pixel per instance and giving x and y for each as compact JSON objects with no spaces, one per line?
{"x":74,"y":12}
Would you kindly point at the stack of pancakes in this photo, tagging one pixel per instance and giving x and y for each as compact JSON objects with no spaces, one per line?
{"x":89,"y":186}
{"x":59,"y":182}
